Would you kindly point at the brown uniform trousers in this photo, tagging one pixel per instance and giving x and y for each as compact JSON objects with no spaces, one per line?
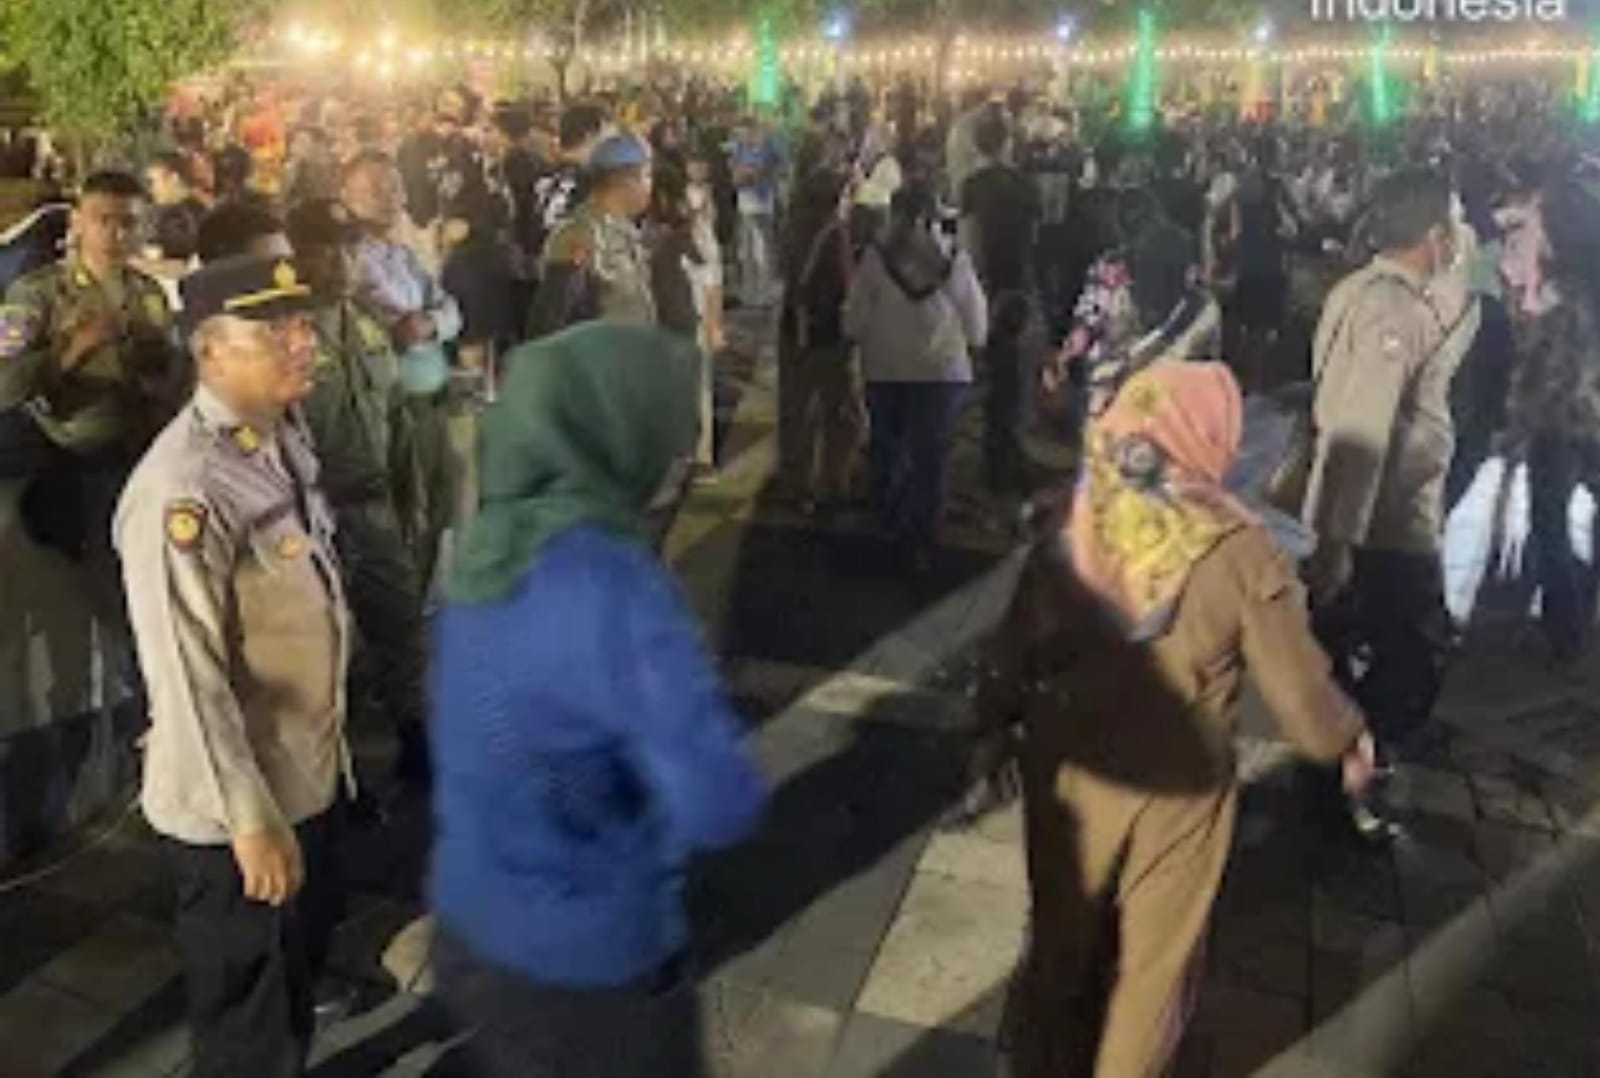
{"x":1129,"y":794}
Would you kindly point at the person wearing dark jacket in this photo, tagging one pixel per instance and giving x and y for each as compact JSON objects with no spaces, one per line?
{"x":821,"y":415}
{"x":585,"y":747}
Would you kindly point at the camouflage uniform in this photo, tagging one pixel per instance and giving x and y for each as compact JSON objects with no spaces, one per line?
{"x":95,"y":420}
{"x":123,"y":393}
{"x":595,"y":267}
{"x":353,"y":414}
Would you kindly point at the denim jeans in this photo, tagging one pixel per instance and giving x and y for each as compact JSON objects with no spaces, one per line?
{"x":757,"y":254}
{"x":912,"y":427}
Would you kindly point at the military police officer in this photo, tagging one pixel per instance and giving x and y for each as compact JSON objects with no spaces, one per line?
{"x":596,"y":265}
{"x":239,"y":616}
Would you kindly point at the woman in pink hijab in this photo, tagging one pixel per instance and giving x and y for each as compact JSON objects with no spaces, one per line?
{"x":1114,"y":695}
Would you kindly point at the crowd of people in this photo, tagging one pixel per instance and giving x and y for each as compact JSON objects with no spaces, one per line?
{"x":237,"y":402}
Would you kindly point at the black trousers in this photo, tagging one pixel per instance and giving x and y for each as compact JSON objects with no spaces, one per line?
{"x":1567,"y":587}
{"x":1011,"y":359}
{"x":647,"y":1029}
{"x":1390,"y":639}
{"x":250,"y":969}
{"x":1478,"y":398}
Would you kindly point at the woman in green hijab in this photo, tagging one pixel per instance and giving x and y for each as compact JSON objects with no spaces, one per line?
{"x":584,"y":745}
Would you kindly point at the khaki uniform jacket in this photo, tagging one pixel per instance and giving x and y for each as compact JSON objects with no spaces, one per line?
{"x":121,"y":394}
{"x":1386,"y":350}
{"x":239,"y":617}
{"x":1160,"y":717}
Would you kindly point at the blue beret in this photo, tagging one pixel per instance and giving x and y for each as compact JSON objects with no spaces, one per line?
{"x":619,"y":152}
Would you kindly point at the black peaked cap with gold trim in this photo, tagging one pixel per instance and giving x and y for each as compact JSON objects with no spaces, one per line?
{"x":258,"y":288}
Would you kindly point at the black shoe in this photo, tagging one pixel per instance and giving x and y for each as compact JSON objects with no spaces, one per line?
{"x":334,"y":1001}
{"x":1370,"y":827}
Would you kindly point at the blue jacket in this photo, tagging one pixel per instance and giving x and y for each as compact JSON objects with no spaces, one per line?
{"x":584,"y":749}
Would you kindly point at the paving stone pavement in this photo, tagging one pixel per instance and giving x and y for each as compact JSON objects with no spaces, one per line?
{"x":853,"y":938}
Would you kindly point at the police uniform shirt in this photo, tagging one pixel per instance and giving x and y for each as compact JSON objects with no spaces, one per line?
{"x":1386,"y":350}
{"x":89,"y":409}
{"x":239,"y":617}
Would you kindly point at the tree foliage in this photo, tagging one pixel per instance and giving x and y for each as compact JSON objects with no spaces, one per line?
{"x":99,"y":65}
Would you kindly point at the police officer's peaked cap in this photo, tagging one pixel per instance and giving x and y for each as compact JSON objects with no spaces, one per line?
{"x":259,"y":288}
{"x":618,"y":152}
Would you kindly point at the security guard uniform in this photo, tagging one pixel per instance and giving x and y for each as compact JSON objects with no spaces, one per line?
{"x":353,"y":413}
{"x":234,"y":593}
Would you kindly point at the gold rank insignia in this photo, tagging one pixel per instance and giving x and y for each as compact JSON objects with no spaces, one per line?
{"x":246,"y":439}
{"x":284,"y":276}
{"x":291,"y":546}
{"x":186,"y":524}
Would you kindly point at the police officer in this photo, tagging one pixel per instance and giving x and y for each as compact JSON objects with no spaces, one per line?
{"x":239,"y":616}
{"x":1387,"y":347}
{"x":355,"y":415}
{"x":595,"y":265}
{"x":354,"y":412}
{"x":88,"y":361}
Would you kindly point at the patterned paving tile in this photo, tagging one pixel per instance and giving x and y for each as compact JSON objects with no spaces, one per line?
{"x":124,"y":963}
{"x":954,"y":943}
{"x":42,"y":1029}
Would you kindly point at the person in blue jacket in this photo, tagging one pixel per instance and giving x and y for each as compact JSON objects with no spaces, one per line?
{"x":585,"y":747}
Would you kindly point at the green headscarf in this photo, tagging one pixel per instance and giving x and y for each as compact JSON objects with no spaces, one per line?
{"x":586,"y":425}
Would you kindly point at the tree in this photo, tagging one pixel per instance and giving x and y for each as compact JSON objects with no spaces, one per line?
{"x":99,"y":66}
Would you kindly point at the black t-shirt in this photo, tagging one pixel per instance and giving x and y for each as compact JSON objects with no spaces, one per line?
{"x":522,"y":170}
{"x":1183,"y":201}
{"x":1005,"y":205}
{"x":557,"y":195}
{"x":175,"y":229}
{"x":481,"y":276}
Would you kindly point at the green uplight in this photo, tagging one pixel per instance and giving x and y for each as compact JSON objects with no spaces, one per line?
{"x":1589,"y":105}
{"x":1141,"y":114}
{"x":764,"y":82}
{"x":1378,"y":80}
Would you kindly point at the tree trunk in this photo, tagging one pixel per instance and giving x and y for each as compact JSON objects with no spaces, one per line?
{"x":947,"y":28}
{"x":561,"y":62}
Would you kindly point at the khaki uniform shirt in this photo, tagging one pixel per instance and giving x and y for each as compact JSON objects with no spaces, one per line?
{"x":612,"y":251}
{"x":239,"y":617}
{"x":122,"y":393}
{"x":354,"y":405}
{"x":1386,"y":350}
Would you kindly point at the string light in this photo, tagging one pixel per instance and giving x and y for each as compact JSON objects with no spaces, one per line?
{"x":969,"y":55}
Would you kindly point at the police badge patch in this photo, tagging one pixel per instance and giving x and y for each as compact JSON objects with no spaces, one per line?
{"x":18,"y":326}
{"x":186,"y":524}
